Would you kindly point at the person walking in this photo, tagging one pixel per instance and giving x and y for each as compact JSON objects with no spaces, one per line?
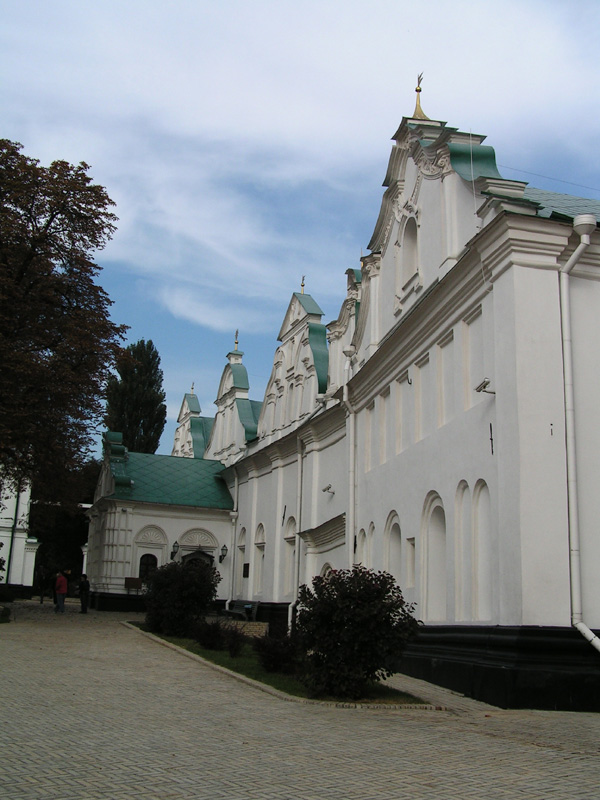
{"x":84,"y":593}
{"x":61,"y":592}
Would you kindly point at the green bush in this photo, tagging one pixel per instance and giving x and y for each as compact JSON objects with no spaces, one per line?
{"x":352,"y":628}
{"x":276,"y":653}
{"x":234,"y":639}
{"x":178,"y":596}
{"x":216,"y":635}
{"x":208,"y":634}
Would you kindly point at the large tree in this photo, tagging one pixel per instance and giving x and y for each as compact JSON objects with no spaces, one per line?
{"x":57,"y":342}
{"x":136,"y":400}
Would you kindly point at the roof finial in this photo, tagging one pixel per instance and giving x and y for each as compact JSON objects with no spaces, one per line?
{"x":237,"y":333}
{"x":418,"y":112}
{"x":302,"y":285}
{"x":192,"y":391}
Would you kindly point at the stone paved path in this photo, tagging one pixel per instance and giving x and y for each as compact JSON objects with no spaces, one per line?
{"x":92,"y":710}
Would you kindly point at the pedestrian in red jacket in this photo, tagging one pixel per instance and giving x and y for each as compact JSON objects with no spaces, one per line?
{"x":61,"y":593}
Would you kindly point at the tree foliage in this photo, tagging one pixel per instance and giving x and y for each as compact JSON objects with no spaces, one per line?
{"x":57,"y":342}
{"x":178,"y":596}
{"x":352,"y":628}
{"x":136,"y":400}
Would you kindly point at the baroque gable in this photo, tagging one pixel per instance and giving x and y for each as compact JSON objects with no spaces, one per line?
{"x":300,"y":368}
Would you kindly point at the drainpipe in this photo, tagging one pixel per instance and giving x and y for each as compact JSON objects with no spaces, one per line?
{"x":583,"y":225}
{"x":13,"y":532}
{"x":349,"y":353}
{"x":294,"y":603}
{"x":234,"y":518}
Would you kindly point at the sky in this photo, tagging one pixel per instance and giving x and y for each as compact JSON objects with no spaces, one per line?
{"x":245,"y":143}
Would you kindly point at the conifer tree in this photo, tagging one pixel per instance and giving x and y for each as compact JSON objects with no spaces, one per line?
{"x":136,"y":400}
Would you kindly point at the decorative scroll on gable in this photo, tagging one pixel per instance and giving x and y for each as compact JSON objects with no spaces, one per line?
{"x":300,"y":368}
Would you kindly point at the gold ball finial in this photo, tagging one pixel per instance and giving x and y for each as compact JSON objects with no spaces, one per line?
{"x":418,"y":112}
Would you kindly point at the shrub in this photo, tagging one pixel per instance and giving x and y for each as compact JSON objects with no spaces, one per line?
{"x":215,"y":635}
{"x":234,"y":639}
{"x":209,"y":634}
{"x":178,"y":596}
{"x":276,"y":653}
{"x":352,"y":628}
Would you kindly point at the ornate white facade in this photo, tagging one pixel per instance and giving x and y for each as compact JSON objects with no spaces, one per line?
{"x":446,"y":430}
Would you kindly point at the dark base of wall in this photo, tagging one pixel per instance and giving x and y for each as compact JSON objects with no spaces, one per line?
{"x":276,"y":614}
{"x":510,"y":667}
{"x":19,"y":591}
{"x":117,"y":602}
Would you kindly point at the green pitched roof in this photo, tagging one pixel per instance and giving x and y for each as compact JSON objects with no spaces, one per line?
{"x":563,"y":206}
{"x":169,"y":480}
{"x":193,"y":403}
{"x":308,"y":304}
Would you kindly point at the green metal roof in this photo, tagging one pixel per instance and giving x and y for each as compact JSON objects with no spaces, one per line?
{"x":308,"y":304}
{"x":249,"y":412}
{"x":169,"y":480}
{"x":200,"y":428}
{"x":240,"y":376}
{"x":473,"y":161}
{"x":193,"y":403}
{"x":317,"y":339}
{"x":561,"y":206}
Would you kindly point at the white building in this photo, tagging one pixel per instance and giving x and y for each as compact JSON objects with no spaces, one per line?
{"x":19,"y":549}
{"x":442,"y":428}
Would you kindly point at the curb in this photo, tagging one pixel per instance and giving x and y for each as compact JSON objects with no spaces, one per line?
{"x":282,"y":695}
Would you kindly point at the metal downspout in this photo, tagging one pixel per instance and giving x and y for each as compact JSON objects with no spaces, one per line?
{"x":12,"y":533}
{"x":349,"y":353}
{"x":234,"y":518}
{"x":583,"y":225}
{"x":294,"y":603}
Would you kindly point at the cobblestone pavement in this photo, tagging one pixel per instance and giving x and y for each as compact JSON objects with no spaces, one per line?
{"x":93,"y":710}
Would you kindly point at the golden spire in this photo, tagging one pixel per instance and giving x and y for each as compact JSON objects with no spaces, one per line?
{"x":418,"y":112}
{"x":302,"y":285}
{"x":237,"y":333}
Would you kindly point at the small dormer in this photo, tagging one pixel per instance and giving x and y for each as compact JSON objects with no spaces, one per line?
{"x":300,"y":368}
{"x":193,"y":431}
{"x":237,"y":416}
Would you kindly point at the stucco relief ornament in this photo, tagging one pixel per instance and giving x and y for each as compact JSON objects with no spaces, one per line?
{"x":152,"y":536}
{"x":198,"y":539}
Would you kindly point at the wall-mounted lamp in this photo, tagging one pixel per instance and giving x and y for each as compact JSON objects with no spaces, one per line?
{"x":175,"y":550}
{"x":483,"y":387}
{"x":223,"y":555}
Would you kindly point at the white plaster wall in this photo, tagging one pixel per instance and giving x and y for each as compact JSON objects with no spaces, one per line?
{"x":585,"y":305}
{"x":113,"y":554}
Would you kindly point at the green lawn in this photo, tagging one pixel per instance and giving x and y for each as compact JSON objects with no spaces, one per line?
{"x":247,"y":664}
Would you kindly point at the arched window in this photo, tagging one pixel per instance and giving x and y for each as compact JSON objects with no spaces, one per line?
{"x":482,"y":553}
{"x":409,"y":252}
{"x":259,"y":559}
{"x":394,"y":565}
{"x":148,"y":564}
{"x":241,"y":558}
{"x":435,"y":559}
